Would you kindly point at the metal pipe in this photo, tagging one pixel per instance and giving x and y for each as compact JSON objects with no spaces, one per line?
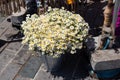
{"x":116,"y":9}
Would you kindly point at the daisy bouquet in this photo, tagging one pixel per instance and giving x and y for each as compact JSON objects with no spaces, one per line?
{"x":55,"y":31}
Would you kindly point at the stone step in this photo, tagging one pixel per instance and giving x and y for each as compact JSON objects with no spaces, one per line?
{"x":105,"y":59}
{"x":12,"y":65}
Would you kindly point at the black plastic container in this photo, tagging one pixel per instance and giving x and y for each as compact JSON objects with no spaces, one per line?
{"x":53,"y":64}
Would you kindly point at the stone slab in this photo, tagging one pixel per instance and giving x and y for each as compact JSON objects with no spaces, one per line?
{"x":3,"y":47}
{"x":42,"y":74}
{"x":7,"y":35}
{"x":4,"y":26}
{"x":19,"y":77}
{"x":105,"y":59}
{"x":10,"y":72}
{"x":5,"y":57}
{"x":2,"y":30}
{"x":5,"y":30}
{"x":14,"y":46}
{"x":2,"y":18}
{"x":22,"y":56}
{"x":30,"y":68}
{"x":12,"y":69}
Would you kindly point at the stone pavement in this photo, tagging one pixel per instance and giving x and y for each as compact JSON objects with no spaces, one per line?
{"x":12,"y":55}
{"x":17,"y":63}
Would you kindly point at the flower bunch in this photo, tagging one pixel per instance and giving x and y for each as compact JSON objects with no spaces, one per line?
{"x":55,"y":31}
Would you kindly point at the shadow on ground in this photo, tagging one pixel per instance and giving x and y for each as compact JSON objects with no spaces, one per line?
{"x":2,"y":43}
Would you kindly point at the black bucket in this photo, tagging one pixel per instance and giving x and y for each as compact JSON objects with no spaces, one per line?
{"x":53,"y":64}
